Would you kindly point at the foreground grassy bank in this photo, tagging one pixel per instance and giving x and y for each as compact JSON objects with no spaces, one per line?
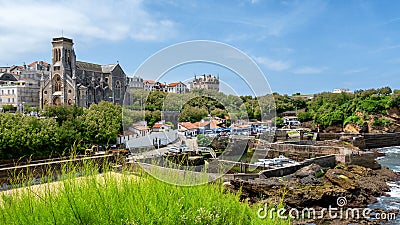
{"x":124,"y":198}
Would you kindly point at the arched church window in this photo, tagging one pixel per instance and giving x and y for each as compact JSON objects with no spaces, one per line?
{"x":59,"y":54}
{"x":117,"y":89}
{"x":69,"y":56}
{"x":57,"y":83}
{"x":56,"y":54}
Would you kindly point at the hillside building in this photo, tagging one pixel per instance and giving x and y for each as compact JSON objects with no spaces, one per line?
{"x":176,"y":87}
{"x":207,"y":82}
{"x":135,"y":83}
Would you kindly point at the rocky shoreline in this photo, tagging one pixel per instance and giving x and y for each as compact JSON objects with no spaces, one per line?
{"x":317,"y":187}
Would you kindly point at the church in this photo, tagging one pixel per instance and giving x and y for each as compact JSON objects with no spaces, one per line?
{"x":81,"y":83}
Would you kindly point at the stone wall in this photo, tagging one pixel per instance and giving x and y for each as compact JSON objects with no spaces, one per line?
{"x":294,"y":148}
{"x":323,"y":161}
{"x":364,"y":141}
{"x":381,"y":140}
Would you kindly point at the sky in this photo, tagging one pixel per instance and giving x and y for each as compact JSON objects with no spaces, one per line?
{"x":300,"y":46}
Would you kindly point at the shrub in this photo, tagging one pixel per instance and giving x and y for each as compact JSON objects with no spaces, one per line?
{"x":381,"y":122}
{"x":203,"y":141}
{"x":354,"y":120}
{"x":304,"y":116}
{"x":278,"y":121}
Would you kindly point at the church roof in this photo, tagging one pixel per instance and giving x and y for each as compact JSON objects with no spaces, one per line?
{"x":96,"y":67}
{"x":89,"y":66}
{"x":108,"y":68}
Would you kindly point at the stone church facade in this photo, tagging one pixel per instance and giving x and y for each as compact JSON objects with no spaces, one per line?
{"x":80,"y":83}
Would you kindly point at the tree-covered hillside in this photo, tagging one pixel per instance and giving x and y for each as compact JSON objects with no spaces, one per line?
{"x":371,"y":107}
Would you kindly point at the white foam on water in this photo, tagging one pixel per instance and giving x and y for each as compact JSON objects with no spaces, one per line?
{"x":394,"y":190}
{"x":380,"y":158}
{"x":389,"y":150}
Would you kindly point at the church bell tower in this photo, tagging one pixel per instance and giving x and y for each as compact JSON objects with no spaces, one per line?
{"x":63,"y":71}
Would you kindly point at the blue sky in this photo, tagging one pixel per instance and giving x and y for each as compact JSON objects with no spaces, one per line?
{"x":300,"y":46}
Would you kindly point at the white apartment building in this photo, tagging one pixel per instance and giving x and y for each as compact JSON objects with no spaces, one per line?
{"x":20,"y":94}
{"x":177,"y":87}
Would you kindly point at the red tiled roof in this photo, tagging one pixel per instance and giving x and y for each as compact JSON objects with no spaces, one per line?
{"x":157,"y":125}
{"x":173,"y":84}
{"x":141,"y":128}
{"x":38,"y":62}
{"x":189,"y":125}
{"x":149,"y":81}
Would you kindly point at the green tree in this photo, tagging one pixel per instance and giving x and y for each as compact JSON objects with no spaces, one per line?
{"x":384,"y":91}
{"x":219,"y":113}
{"x":192,"y":114}
{"x":62,"y":112}
{"x":203,"y":141}
{"x":277,"y":121}
{"x":155,"y":100}
{"x":7,"y":107}
{"x":102,"y":122}
{"x":152,"y":117}
{"x":304,"y":116}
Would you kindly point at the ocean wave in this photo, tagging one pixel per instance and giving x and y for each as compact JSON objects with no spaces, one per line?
{"x":390,"y":150}
{"x":394,"y":190}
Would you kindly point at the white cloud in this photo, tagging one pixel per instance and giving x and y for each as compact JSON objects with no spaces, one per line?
{"x":27,"y":26}
{"x":353,"y":71}
{"x":276,"y":65}
{"x":254,"y":1}
{"x":386,"y":48}
{"x":309,"y":70}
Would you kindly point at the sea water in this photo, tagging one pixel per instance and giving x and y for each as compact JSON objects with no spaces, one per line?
{"x":392,"y":201}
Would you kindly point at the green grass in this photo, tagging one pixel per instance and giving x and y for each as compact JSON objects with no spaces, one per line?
{"x":124,"y":198}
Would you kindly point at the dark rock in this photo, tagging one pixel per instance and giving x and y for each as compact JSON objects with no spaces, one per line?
{"x":289,"y":177}
{"x":359,"y":185}
{"x":310,"y":180}
{"x":306,"y":171}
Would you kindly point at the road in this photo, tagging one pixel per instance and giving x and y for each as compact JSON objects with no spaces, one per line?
{"x":190,"y":142}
